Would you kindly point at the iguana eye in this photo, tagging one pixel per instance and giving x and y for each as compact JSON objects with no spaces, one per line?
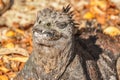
{"x":48,"y":24}
{"x":62,"y":25}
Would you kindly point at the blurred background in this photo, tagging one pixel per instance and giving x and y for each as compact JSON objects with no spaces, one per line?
{"x":18,"y":16}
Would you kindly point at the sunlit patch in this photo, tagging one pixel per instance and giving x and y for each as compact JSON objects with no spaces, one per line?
{"x":112,"y":31}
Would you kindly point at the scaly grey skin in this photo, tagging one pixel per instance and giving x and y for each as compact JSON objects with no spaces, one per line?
{"x":53,"y":42}
{"x":59,"y":54}
{"x":53,"y":39}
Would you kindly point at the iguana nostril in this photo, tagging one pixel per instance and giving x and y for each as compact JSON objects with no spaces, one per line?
{"x":37,"y":30}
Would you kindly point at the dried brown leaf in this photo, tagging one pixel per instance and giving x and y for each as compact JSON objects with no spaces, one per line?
{"x":3,"y":77}
{"x":19,"y":51}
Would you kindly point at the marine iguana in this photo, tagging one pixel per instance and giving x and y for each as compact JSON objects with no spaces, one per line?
{"x":59,"y":54}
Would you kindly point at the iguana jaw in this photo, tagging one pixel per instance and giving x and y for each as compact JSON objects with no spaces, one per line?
{"x":47,"y":37}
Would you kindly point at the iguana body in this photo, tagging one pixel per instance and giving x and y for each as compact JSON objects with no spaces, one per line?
{"x":59,"y":54}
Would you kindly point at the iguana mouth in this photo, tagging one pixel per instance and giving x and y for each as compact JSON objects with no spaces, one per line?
{"x":50,"y":35}
{"x":48,"y":38}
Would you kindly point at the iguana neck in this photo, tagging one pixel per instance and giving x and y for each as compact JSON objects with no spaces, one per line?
{"x":54,"y":59}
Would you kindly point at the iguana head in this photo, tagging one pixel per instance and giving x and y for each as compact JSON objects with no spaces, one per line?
{"x":52,"y":26}
{"x":53,"y":40}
